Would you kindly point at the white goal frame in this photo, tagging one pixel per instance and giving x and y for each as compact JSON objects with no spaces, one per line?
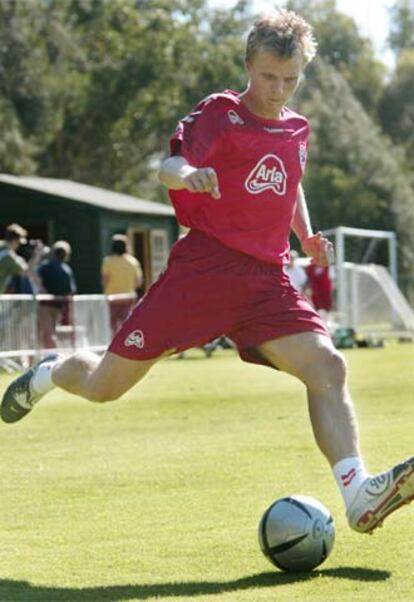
{"x":340,"y":233}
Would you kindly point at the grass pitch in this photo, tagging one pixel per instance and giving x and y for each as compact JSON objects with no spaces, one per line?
{"x":158,"y":496}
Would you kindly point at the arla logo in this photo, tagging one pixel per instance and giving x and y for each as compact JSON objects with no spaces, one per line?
{"x":268,"y":174}
{"x":135,"y":338}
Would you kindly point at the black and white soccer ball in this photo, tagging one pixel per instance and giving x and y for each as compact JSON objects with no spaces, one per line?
{"x":296,"y":533}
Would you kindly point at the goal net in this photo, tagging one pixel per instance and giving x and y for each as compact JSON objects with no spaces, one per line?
{"x":368,"y":298}
{"x":375,"y":305}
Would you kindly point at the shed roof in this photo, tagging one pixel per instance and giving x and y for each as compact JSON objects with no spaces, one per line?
{"x":90,"y":195}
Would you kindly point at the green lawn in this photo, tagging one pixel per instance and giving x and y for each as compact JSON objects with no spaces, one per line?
{"x":158,"y":496}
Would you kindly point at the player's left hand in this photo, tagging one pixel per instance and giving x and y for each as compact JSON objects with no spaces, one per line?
{"x":319,"y":248}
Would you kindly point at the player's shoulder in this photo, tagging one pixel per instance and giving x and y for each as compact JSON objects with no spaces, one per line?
{"x":221,"y":100}
{"x":295,"y":119}
{"x":219,"y":105}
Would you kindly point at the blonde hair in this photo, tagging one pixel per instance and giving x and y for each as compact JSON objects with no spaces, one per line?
{"x":284,"y":33}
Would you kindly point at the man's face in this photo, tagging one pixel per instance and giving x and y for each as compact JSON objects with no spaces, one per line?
{"x":273,"y":79}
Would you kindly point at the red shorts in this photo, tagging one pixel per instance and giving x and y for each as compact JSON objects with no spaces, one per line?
{"x":209,"y":290}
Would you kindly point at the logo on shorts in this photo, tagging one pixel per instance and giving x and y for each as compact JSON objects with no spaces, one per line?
{"x":135,"y":339}
{"x":303,"y":155}
{"x":268,"y":174}
{"x":234,"y":117}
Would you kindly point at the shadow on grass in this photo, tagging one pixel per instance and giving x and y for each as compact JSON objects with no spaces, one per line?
{"x":23,"y":591}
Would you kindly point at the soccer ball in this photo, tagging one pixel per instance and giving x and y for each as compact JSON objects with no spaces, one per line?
{"x":296,"y":533}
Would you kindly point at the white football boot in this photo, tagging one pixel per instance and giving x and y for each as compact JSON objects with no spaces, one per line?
{"x":379,"y":496}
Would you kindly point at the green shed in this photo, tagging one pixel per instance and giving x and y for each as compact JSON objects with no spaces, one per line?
{"x":87,"y":217}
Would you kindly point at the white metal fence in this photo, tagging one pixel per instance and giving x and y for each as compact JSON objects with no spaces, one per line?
{"x":33,"y":324}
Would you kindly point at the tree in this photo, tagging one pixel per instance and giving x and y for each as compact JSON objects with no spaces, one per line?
{"x":143,"y":64}
{"x":396,"y":111}
{"x":15,"y":152}
{"x":32,"y":77}
{"x":17,"y":90}
{"x":397,"y":107}
{"x":401,"y":25}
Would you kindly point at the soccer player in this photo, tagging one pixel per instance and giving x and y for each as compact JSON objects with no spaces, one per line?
{"x":234,"y":178}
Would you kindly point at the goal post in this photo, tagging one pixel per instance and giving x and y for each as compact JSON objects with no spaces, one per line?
{"x":340,"y":233}
{"x":362,"y":288}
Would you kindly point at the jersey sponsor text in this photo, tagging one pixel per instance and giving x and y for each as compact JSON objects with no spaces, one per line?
{"x":268,"y":174}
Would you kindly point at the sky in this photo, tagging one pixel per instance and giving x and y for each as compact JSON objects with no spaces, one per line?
{"x":371,"y":17}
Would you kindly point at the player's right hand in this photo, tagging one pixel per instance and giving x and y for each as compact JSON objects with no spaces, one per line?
{"x":203,"y":179}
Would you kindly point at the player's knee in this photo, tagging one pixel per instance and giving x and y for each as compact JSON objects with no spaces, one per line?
{"x":336,"y":368}
{"x":330,"y":371}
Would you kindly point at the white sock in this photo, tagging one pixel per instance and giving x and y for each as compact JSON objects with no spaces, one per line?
{"x":42,"y":379}
{"x":349,"y":474}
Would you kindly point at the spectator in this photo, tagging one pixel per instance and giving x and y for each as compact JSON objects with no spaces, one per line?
{"x":296,"y":272}
{"x":28,"y":283}
{"x":57,"y":279}
{"x":121,"y":274}
{"x":10,"y":263}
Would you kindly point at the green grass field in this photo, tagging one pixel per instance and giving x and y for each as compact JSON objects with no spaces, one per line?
{"x":158,"y":496}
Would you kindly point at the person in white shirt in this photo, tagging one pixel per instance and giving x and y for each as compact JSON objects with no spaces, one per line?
{"x":296,"y":272}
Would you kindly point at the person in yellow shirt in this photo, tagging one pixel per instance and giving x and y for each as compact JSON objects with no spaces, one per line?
{"x":121,"y":274}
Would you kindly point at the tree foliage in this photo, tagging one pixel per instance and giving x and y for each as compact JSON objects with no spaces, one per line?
{"x":397,"y":106}
{"x":144,"y":64}
{"x":23,"y":98}
{"x":401,"y":35}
